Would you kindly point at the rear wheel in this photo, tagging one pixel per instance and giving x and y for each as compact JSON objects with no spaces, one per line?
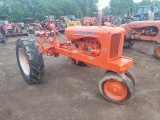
{"x":79,"y":63}
{"x":157,"y":51}
{"x":30,"y":60}
{"x":116,"y":88}
{"x":2,"y":38}
{"x":128,"y":43}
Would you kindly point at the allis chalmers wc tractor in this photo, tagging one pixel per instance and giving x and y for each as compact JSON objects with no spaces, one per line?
{"x":7,"y":29}
{"x":98,"y":46}
{"x":142,"y":30}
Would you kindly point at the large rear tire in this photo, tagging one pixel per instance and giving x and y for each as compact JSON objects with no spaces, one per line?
{"x":157,"y":51}
{"x":30,"y":60}
{"x":116,"y":88}
{"x":2,"y":38}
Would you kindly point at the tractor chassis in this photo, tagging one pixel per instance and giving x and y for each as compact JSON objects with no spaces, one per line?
{"x":68,"y":49}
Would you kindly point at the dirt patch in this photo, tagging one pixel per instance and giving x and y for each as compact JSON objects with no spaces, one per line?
{"x":70,"y":92}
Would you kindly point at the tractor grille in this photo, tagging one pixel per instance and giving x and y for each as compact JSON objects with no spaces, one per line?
{"x":114,"y":47}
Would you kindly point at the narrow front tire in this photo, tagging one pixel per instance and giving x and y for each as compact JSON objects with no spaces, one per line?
{"x":116,"y":88}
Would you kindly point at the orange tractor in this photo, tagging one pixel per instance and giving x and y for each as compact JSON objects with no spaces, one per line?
{"x":142,"y":30}
{"x":100,"y":46}
{"x":90,"y":21}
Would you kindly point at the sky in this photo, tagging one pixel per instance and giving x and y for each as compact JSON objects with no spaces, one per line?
{"x":104,"y":3}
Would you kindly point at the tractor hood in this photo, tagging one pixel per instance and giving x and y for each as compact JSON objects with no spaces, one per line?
{"x":138,"y":24}
{"x":91,"y":31}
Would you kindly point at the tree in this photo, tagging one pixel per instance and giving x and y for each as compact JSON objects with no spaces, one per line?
{"x":145,"y":2}
{"x":69,"y":7}
{"x":106,"y":11}
{"x":119,"y":7}
{"x":18,"y":10}
{"x":156,"y":2}
{"x":88,"y":7}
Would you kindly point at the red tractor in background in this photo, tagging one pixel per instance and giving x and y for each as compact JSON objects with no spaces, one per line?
{"x":93,"y":21}
{"x":58,"y":24}
{"x":7,"y":29}
{"x":32,"y":25}
{"x":35,"y":28}
{"x":90,"y":21}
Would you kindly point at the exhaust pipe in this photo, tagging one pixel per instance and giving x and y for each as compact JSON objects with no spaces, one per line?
{"x":99,"y":17}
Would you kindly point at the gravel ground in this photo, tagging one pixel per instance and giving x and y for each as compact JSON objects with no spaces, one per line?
{"x":70,"y":92}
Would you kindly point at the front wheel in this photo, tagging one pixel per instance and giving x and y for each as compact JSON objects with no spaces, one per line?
{"x":157,"y":51}
{"x":129,"y":74}
{"x":116,"y":88}
{"x":128,"y":43}
{"x":30,"y":60}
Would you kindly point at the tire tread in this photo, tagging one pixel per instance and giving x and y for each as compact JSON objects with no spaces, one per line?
{"x":35,"y":59}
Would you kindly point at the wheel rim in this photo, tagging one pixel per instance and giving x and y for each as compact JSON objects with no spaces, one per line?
{"x":158,"y":51}
{"x":24,"y":61}
{"x":115,"y":90}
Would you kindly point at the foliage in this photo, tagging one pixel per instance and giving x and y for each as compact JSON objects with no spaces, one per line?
{"x":88,"y":7}
{"x":106,"y":11}
{"x":149,"y":2}
{"x":120,"y":7}
{"x":145,"y":2}
{"x":19,"y":10}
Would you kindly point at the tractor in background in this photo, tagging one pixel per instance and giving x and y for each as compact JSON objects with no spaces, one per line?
{"x":32,"y":25}
{"x":35,"y":28}
{"x":142,"y":30}
{"x":10,"y":29}
{"x":142,"y":13}
{"x":58,"y":24}
{"x":90,"y":21}
{"x":70,"y":20}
